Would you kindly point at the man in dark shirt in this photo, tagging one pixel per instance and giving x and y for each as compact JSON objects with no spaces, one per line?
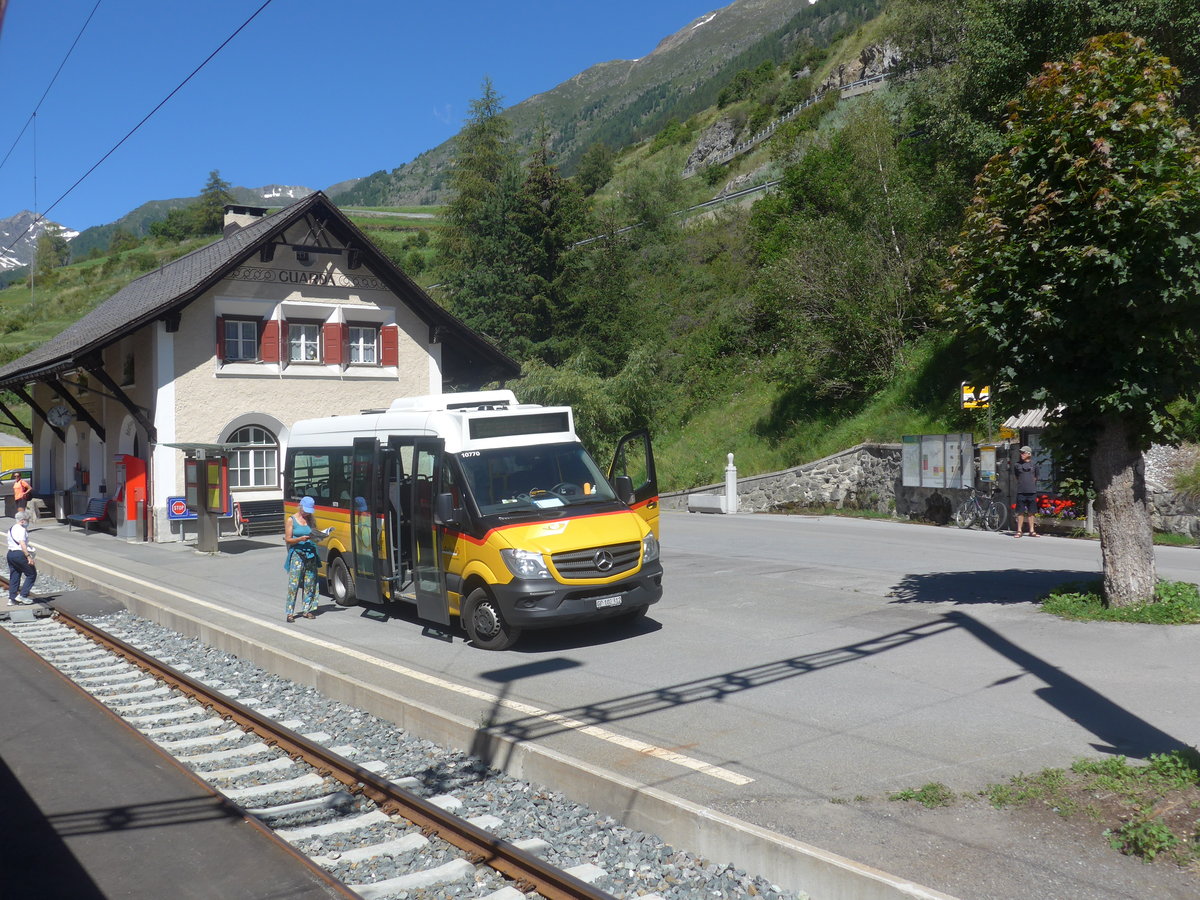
{"x":1026,"y":472}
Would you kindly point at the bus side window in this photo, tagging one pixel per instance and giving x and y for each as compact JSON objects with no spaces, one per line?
{"x":449,"y":483}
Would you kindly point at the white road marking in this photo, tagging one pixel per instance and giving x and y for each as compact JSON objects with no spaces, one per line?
{"x":595,"y":731}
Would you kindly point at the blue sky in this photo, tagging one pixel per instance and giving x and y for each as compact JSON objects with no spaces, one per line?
{"x":310,"y":93}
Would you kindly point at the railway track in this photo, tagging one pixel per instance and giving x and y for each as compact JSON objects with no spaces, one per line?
{"x":302,"y":785}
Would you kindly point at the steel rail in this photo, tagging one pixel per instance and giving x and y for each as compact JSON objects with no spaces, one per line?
{"x":528,"y":871}
{"x":225,"y":804}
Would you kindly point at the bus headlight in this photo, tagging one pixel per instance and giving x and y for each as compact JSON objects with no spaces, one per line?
{"x":525,"y":564}
{"x":649,"y":548}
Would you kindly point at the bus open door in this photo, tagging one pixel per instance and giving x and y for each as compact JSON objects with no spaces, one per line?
{"x":634,"y":459}
{"x":429,"y":576}
{"x":372,"y":568}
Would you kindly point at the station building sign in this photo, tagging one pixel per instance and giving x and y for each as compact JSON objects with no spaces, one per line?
{"x":319,"y":277}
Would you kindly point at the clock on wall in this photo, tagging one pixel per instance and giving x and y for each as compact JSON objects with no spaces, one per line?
{"x":60,"y":416}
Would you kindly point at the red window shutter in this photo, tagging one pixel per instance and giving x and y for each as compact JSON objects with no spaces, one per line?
{"x":389,"y":345}
{"x":220,"y":339}
{"x":331,"y":338}
{"x":268,"y":342}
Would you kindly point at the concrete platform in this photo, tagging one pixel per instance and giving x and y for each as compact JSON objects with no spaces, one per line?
{"x":92,"y":810}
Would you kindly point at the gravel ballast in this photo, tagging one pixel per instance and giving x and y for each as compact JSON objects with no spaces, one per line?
{"x":636,"y":863}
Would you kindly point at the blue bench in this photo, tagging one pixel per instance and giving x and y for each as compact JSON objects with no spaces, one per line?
{"x":97,"y":511}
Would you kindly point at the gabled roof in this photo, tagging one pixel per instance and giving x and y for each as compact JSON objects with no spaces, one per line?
{"x":467,"y":355}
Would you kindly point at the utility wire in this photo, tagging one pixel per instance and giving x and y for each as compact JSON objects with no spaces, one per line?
{"x":51,"y":84}
{"x":135,"y":128}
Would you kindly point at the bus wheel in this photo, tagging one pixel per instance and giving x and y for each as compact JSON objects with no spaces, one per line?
{"x":484,"y":623}
{"x":341,"y":583}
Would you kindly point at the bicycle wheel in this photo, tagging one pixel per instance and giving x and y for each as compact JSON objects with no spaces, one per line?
{"x":964,"y":516}
{"x":994,"y":517}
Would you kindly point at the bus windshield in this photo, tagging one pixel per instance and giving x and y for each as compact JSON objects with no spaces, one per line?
{"x":536,"y":477}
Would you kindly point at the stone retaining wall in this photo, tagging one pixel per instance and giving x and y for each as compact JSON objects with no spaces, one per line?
{"x":863,"y":477}
{"x":868,"y":477}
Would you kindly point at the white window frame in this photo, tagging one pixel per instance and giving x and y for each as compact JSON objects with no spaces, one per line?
{"x":240,"y":340}
{"x":358,"y":345}
{"x":304,"y":343}
{"x":259,"y":463}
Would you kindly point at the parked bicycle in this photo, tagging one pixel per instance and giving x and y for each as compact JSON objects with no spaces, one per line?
{"x":981,"y":508}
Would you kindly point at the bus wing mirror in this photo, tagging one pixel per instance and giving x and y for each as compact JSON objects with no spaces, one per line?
{"x":624,"y":488}
{"x":444,"y":512}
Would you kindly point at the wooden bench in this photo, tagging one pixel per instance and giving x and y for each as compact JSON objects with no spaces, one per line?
{"x":97,"y":511}
{"x":259,"y":516}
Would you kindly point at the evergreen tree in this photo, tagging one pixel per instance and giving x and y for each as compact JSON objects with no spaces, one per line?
{"x":210,"y":209}
{"x":548,"y":215}
{"x":478,"y":251}
{"x":595,"y":168}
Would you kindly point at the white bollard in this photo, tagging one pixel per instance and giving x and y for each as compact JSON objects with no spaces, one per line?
{"x":731,"y":496}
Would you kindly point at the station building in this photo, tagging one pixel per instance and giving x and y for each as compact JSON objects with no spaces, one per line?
{"x":291,"y":315}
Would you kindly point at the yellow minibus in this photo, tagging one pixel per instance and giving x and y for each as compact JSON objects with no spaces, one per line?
{"x":476,"y":506}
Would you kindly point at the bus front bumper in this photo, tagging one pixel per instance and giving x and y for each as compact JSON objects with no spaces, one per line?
{"x":548,"y":604}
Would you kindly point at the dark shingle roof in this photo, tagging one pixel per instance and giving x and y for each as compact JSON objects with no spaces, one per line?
{"x":176,"y":284}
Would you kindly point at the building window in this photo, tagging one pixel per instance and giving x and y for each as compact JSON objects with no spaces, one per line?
{"x":128,"y":371}
{"x":256,"y":466}
{"x":364,"y":345}
{"x":304,"y":342}
{"x":241,"y":340}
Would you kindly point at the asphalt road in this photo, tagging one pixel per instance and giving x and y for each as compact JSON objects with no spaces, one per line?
{"x":797,"y":670}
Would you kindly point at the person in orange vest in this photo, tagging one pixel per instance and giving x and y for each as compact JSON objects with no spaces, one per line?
{"x":21,"y":491}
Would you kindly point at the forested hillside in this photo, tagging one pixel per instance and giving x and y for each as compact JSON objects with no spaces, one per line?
{"x":809,"y":321}
{"x":780,"y":330}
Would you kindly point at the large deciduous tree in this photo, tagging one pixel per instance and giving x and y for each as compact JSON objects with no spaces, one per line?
{"x":1078,"y":273}
{"x":52,"y":250}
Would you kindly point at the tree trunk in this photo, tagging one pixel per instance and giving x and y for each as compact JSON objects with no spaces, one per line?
{"x":1123,"y":516}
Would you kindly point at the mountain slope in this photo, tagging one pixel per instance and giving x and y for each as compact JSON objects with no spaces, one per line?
{"x":138,"y":221}
{"x":26,"y":224}
{"x":624,"y":101}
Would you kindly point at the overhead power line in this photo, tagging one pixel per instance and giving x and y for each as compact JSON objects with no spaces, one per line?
{"x":41,"y":217}
{"x":51,"y":84}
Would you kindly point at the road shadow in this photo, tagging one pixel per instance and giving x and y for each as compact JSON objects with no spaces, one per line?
{"x":714,"y":688}
{"x":997,"y":586}
{"x":1117,"y":729}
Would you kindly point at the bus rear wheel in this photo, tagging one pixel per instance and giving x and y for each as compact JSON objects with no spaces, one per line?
{"x":485,"y":624}
{"x":341,"y":583}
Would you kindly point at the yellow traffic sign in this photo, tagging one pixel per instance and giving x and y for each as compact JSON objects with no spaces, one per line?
{"x":976,"y":397}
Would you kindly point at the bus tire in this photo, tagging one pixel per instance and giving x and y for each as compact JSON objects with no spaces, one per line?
{"x":485,"y":624}
{"x":341,"y":583}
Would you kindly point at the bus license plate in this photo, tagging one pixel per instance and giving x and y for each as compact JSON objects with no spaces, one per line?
{"x":602,"y":602}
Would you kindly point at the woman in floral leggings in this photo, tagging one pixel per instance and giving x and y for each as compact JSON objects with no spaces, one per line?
{"x":302,"y":562}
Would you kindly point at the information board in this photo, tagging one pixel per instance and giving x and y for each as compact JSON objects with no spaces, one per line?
{"x":937,"y":460}
{"x":910,"y":460}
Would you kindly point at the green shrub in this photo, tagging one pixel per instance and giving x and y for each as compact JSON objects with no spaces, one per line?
{"x":931,"y":795}
{"x":1142,"y":837}
{"x":1175,"y":603}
